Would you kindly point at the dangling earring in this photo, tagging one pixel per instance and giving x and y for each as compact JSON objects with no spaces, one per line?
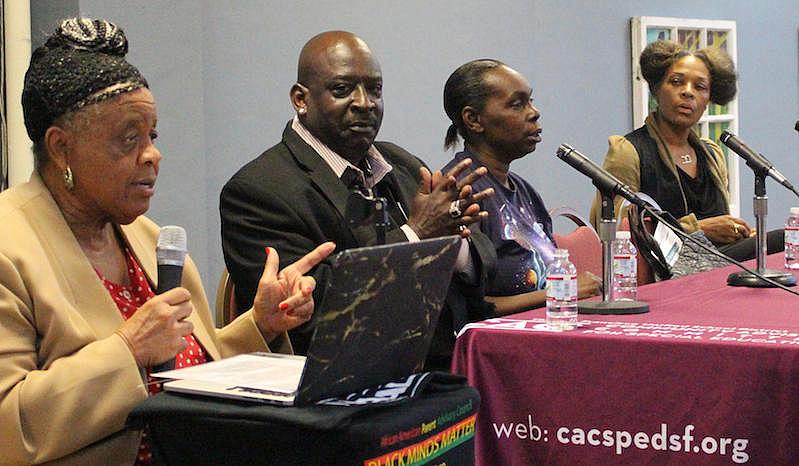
{"x":69,"y":180}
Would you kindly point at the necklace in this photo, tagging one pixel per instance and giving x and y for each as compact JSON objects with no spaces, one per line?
{"x":685,"y":159}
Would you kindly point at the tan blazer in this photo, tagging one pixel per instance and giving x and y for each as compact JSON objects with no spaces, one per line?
{"x":67,"y":381}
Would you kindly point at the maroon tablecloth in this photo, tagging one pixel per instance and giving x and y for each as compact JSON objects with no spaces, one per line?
{"x":709,"y":376}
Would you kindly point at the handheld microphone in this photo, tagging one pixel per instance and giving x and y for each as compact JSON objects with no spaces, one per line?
{"x":170,"y":253}
{"x":604,"y":181}
{"x":757,"y":162}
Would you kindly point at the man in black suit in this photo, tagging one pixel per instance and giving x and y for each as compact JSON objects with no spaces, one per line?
{"x":295,"y":195}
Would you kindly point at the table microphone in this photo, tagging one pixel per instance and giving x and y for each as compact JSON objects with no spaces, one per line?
{"x":609,"y":186}
{"x":170,"y":253}
{"x":756,"y":161}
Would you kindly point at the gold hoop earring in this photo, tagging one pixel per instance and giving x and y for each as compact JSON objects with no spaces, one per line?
{"x":69,"y":180}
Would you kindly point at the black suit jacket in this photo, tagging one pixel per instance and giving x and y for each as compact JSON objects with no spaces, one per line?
{"x":288,"y":198}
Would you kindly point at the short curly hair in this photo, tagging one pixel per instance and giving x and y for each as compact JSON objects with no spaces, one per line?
{"x":658,"y":56}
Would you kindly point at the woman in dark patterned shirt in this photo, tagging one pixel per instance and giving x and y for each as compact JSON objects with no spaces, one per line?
{"x":491,"y":108}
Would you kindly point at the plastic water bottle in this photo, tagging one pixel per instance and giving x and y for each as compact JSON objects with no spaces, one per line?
{"x":624,"y":286}
{"x":561,"y":292}
{"x":792,"y":240}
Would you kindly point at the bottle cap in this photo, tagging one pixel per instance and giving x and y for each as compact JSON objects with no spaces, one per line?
{"x":623,"y":234}
{"x":794,"y":210}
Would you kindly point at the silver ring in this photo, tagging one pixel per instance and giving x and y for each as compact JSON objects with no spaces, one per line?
{"x":455,"y":209}
{"x":461,"y":228}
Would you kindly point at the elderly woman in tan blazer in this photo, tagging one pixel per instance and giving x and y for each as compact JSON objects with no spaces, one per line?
{"x":80,"y":326}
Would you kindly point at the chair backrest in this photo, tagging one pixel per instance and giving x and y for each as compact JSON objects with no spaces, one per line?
{"x":585,"y":248}
{"x":225,"y":309}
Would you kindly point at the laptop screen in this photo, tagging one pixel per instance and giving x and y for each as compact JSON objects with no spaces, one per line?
{"x":378,"y":316}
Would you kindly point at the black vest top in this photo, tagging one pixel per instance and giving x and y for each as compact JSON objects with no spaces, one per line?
{"x":657,"y":178}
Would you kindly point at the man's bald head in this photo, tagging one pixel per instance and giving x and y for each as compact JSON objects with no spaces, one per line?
{"x":319,"y":49}
{"x":338,"y":94}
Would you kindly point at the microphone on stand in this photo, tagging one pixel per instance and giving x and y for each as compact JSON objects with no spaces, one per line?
{"x":170,"y":253}
{"x":761,"y":168}
{"x":609,"y":186}
{"x":756,"y":161}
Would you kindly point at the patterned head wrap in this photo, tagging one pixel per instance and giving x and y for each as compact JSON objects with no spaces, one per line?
{"x":82,"y":63}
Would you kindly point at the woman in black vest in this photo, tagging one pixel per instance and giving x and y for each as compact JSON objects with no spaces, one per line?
{"x":665,"y":159}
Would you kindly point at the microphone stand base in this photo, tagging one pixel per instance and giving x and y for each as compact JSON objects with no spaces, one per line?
{"x":612,"y":307}
{"x":747,"y":279}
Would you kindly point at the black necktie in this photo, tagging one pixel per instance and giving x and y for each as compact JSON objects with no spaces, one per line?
{"x":352,"y":179}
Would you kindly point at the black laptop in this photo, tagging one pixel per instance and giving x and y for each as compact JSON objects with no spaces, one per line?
{"x":374,"y":325}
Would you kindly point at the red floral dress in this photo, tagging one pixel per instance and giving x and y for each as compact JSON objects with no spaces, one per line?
{"x":128,"y":299}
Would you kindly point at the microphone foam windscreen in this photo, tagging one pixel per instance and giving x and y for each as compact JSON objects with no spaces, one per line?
{"x":171,"y":248}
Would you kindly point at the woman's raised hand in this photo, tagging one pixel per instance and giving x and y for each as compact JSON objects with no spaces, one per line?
{"x":284,"y":298}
